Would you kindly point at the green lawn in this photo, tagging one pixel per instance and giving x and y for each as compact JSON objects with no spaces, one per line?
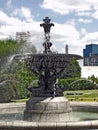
{"x":79,"y":95}
{"x":82,"y":95}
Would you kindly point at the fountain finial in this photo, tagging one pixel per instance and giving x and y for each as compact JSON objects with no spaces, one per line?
{"x":47,"y":26}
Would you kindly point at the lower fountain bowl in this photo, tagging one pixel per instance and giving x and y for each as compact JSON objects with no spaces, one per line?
{"x":48,"y":109}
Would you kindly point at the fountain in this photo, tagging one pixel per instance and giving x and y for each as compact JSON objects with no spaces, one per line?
{"x":47,"y":108}
{"x":47,"y":103}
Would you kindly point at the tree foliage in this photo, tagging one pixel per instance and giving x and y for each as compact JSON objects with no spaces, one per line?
{"x":77,"y":84}
{"x":8,"y":47}
{"x":7,"y":91}
{"x":72,"y":70}
{"x":15,"y":71}
{"x":24,"y":78}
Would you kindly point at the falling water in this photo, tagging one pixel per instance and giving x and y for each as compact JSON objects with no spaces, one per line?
{"x":5,"y":81}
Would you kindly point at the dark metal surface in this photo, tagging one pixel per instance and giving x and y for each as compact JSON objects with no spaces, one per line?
{"x":47,"y":26}
{"x":48,"y":66}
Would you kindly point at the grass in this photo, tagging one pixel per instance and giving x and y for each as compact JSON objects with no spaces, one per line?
{"x":20,"y":100}
{"x":82,"y":95}
{"x":79,"y":95}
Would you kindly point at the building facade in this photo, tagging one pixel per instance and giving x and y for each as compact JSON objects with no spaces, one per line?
{"x":90,"y":55}
{"x":22,"y":36}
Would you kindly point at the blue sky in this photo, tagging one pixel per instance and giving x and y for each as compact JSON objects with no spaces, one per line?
{"x":76,"y":21}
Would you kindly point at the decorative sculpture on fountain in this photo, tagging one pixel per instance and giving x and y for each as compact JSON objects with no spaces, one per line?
{"x":48,"y":66}
{"x":47,"y":102}
{"x":47,"y":26}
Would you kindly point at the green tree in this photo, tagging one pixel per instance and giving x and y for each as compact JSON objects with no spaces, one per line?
{"x":24,"y":78}
{"x":15,"y":71}
{"x":72,"y":70}
{"x":8,"y":47}
{"x":92,"y":78}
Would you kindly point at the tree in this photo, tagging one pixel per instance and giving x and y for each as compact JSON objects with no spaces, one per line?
{"x":24,"y":78}
{"x":72,"y":70}
{"x":15,"y":71}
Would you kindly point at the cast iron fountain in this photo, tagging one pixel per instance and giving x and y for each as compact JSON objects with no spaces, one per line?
{"x":47,"y":102}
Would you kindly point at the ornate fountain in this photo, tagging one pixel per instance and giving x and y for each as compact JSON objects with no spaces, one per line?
{"x":47,"y":103}
{"x":47,"y":108}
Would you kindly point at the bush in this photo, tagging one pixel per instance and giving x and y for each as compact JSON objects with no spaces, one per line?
{"x":7,"y":91}
{"x":77,"y":84}
{"x":65,"y":82}
{"x":82,"y":84}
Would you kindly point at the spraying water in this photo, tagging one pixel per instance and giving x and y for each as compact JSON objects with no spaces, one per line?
{"x":5,"y":81}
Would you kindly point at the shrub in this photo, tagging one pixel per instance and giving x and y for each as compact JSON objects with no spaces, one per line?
{"x":82,"y":84}
{"x":65,"y":82}
{"x":7,"y":91}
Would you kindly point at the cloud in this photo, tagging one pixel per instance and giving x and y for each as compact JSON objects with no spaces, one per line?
{"x":83,"y":13}
{"x":90,"y":37}
{"x":66,"y":30}
{"x":71,"y":22}
{"x":26,"y":13}
{"x":95,"y":14}
{"x":85,"y":20}
{"x":10,"y":24}
{"x":55,"y":6}
{"x":65,"y":7}
{"x":5,"y":19}
{"x":23,"y":12}
{"x":88,"y":8}
{"x":83,"y":31}
{"x":9,"y":4}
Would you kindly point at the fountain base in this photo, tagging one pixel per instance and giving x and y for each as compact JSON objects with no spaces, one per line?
{"x":47,"y":109}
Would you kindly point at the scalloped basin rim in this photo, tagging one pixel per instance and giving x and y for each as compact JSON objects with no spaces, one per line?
{"x":50,"y":60}
{"x":65,"y":56}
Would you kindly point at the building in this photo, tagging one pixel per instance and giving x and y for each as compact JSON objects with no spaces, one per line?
{"x":22,"y":36}
{"x":90,"y":55}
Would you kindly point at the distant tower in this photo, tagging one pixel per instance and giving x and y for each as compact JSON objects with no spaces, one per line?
{"x":66,"y":49}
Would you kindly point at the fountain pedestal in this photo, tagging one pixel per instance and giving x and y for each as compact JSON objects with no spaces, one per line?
{"x":47,"y":109}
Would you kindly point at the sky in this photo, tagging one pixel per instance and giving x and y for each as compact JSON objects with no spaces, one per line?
{"x":76,"y":22}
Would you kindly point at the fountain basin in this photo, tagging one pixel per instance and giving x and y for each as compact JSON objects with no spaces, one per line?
{"x":25,"y":125}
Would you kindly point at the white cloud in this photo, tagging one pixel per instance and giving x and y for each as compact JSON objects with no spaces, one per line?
{"x":23,"y":12}
{"x":10,"y":25}
{"x":9,"y":3}
{"x":16,"y":12}
{"x":95,"y":14}
{"x":87,"y":8}
{"x":66,"y":30}
{"x":55,"y":5}
{"x":71,"y":22}
{"x":26,"y":13}
{"x":90,"y":37}
{"x":83,"y":31}
{"x":67,"y":6}
{"x":85,"y":20}
{"x":83,"y":13}
{"x":5,"y":19}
